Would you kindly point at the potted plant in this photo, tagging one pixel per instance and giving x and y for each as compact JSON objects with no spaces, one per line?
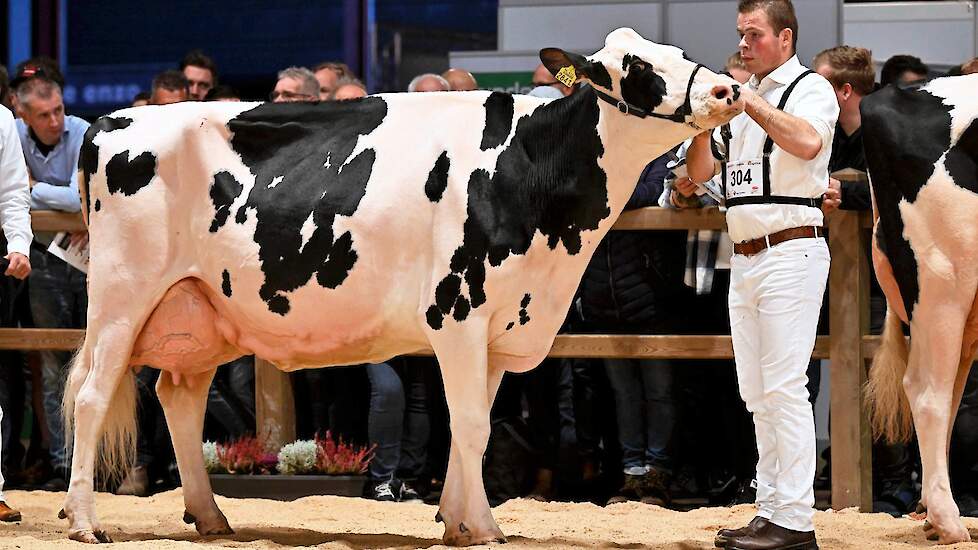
{"x":324,"y":466}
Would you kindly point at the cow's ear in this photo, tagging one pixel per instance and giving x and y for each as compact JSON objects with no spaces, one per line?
{"x":569,"y":67}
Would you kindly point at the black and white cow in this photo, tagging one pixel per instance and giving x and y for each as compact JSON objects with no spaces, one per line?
{"x":344,"y":233}
{"x":922,"y":153}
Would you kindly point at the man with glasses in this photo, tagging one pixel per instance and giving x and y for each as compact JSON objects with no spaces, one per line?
{"x":295,"y":84}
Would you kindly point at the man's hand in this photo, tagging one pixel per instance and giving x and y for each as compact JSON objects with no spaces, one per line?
{"x":685,"y":186}
{"x":20,"y":265}
{"x":79,"y":239}
{"x":833,"y":197}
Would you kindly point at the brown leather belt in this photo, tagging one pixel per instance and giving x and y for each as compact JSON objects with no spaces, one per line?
{"x":756,"y":246}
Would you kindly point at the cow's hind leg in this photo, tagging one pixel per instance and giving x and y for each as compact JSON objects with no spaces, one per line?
{"x":462,"y":355}
{"x":101,"y":392}
{"x":184,"y":404}
{"x":935,"y":354}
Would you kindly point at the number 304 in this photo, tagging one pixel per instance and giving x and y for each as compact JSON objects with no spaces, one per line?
{"x":740,"y":177}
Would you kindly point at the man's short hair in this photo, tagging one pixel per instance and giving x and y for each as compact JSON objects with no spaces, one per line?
{"x":37,"y":86}
{"x":342,"y":70}
{"x":780,"y":14}
{"x":141,"y":96}
{"x":347,"y":81}
{"x":849,"y":64}
{"x":899,"y":64}
{"x":735,"y":61}
{"x":416,"y":81}
{"x":197,"y":58}
{"x":222,"y":92}
{"x":970,"y":67}
{"x":308,"y":84}
{"x":171,"y":80}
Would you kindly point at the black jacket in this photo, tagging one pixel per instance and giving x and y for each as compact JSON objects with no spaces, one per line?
{"x":634,"y":277}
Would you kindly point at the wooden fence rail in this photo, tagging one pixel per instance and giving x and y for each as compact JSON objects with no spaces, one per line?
{"x":847,"y":347}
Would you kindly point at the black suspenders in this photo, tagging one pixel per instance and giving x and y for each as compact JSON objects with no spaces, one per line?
{"x":767,"y":197}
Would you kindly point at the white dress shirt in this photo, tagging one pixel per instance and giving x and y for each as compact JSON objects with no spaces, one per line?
{"x":812,"y":100}
{"x":15,"y":192}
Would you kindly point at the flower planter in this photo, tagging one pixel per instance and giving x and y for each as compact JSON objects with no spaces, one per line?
{"x":286,"y":487}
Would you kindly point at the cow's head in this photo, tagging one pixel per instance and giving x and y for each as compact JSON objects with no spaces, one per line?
{"x":654,"y":81}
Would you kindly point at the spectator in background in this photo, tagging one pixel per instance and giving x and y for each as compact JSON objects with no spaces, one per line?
{"x":329,"y":74}
{"x":348,"y":89}
{"x":140,"y":99}
{"x":295,"y":84}
{"x":169,"y":87}
{"x":200,"y":72}
{"x":51,"y":143}
{"x":26,"y":69}
{"x":542,"y":77}
{"x":629,"y":287}
{"x":5,"y":99}
{"x":736,"y":69}
{"x":460,"y":80}
{"x":429,"y":82}
{"x":970,"y":67}
{"x":223,"y":92}
{"x":903,"y":69}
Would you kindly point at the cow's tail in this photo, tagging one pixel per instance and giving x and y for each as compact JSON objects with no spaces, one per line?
{"x":117,"y":439}
{"x":889,"y":407}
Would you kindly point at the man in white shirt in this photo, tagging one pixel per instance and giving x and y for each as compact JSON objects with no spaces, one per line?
{"x":775,"y":176}
{"x":15,"y":202}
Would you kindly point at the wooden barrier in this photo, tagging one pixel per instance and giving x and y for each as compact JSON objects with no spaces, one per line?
{"x":848,"y":346}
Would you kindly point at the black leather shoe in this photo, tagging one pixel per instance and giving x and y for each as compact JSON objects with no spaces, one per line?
{"x":774,"y":537}
{"x":724,"y":535}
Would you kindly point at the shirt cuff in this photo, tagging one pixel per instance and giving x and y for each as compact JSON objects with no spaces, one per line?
{"x":20,"y":245}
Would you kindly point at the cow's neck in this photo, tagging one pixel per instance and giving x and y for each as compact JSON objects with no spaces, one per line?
{"x":631,"y":144}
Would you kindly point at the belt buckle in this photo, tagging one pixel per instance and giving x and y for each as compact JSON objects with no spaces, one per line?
{"x":767,"y":242}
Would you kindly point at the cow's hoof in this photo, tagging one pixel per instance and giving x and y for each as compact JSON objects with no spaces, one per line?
{"x":89,"y":536}
{"x":438,"y":518}
{"x":188,"y":518}
{"x":62,"y":514}
{"x":463,"y":536}
{"x":218,"y":526}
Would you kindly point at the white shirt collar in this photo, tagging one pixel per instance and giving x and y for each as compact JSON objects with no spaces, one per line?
{"x":784,"y":74}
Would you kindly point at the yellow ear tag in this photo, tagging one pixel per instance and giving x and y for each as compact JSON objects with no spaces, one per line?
{"x":567,"y":76}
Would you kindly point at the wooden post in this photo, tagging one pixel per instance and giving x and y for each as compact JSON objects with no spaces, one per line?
{"x":852,"y":483}
{"x":274,"y":407}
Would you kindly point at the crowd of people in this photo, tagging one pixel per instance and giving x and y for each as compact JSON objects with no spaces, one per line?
{"x":663,"y":432}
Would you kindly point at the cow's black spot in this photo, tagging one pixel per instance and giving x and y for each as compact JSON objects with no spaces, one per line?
{"x":435,"y":317}
{"x":510,"y":325}
{"x":223,"y":192}
{"x":242,"y":215}
{"x":226,"y":283}
{"x":641,"y":86}
{"x":129,"y":176}
{"x":524,"y":317}
{"x":598,"y":74}
{"x":462,"y":309}
{"x":306,"y":149}
{"x":278,"y":304}
{"x":499,"y":120}
{"x":525,"y":301}
{"x":88,"y":154}
{"x":98,"y":205}
{"x":905,"y":132}
{"x":541,"y":185}
{"x":962,"y":160}
{"x":437,"y":178}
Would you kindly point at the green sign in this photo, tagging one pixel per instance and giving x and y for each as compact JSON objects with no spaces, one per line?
{"x":514,"y":83}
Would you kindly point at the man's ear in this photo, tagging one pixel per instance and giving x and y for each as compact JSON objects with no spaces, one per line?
{"x":569,"y":67}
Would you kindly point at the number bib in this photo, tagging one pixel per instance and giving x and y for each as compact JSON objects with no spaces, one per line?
{"x":745,"y":179}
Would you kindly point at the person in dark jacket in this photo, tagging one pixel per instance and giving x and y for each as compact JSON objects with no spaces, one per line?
{"x":627,"y":288}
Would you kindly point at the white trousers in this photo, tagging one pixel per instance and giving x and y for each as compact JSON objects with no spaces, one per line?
{"x":775,"y":298}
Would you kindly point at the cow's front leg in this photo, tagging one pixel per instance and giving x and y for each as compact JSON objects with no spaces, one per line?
{"x":184,"y":405}
{"x":463,"y":358}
